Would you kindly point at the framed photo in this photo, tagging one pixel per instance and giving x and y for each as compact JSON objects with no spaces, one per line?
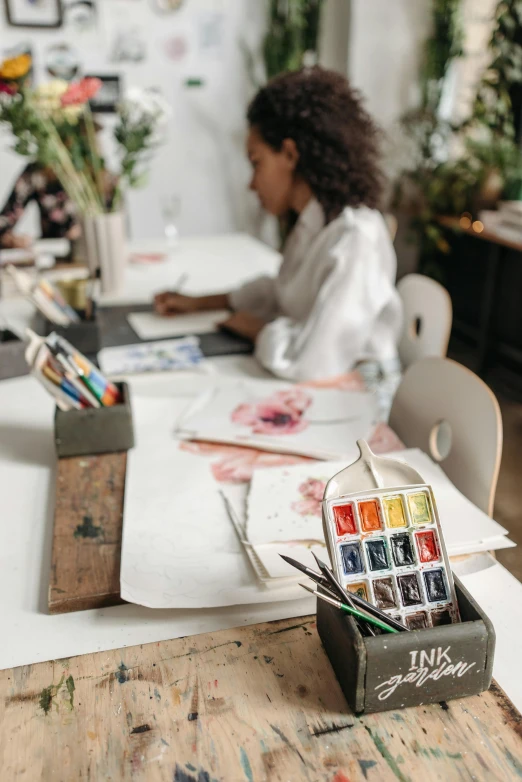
{"x":24,"y":13}
{"x":108,"y":96}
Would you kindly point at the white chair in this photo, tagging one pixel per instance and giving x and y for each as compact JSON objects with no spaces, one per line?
{"x":427,"y":318}
{"x":451,"y":414}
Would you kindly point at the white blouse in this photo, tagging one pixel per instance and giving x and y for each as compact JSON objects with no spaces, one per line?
{"x":334,"y":301}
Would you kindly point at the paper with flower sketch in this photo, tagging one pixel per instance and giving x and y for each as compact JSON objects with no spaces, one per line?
{"x":284,"y":504}
{"x":180,"y":548}
{"x":284,"y":512}
{"x":273,"y":416}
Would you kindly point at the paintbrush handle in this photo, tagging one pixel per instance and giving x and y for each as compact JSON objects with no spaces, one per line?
{"x":366,"y":618}
{"x":376,"y":612}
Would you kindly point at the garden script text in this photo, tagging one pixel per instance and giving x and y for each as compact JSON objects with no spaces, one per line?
{"x":431,"y":665}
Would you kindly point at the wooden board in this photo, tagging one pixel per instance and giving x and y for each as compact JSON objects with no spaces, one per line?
{"x":253,"y":703}
{"x":85,"y":570}
{"x":487,"y":234}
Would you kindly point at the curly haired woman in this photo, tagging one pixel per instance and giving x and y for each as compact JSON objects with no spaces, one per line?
{"x":315,"y":160}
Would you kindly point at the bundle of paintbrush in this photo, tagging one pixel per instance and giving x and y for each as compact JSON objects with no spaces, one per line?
{"x":45,"y":297}
{"x":369,"y":618}
{"x":67,"y":375}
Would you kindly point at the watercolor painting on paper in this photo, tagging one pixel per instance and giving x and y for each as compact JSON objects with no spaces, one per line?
{"x":321,"y":423}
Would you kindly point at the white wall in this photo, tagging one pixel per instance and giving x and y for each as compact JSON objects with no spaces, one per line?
{"x":203,"y":160}
{"x":377,"y":41}
{"x":385,"y":51}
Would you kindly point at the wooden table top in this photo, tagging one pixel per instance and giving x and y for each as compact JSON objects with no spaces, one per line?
{"x":252,"y":703}
{"x":487,"y":234}
{"x":248,"y":704}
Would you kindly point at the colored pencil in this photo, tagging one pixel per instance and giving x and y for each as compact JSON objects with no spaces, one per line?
{"x":71,"y":373}
{"x":352,"y":611}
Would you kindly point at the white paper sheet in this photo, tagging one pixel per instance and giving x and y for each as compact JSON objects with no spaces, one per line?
{"x":148,"y":325}
{"x":499,"y":594}
{"x":164,"y":356}
{"x":27,"y":477}
{"x":278,"y":417}
{"x":284,"y":512}
{"x":180,"y":549}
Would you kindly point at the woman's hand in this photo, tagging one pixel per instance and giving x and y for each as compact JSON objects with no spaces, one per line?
{"x":15,"y":241}
{"x":168,"y":303}
{"x":243,"y":323}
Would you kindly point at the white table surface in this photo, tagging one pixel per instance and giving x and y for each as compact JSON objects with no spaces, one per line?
{"x":27,"y":464}
{"x":213,"y":264}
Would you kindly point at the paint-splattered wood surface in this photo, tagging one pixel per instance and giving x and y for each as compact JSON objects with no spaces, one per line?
{"x":248,"y":704}
{"x":85,"y":571}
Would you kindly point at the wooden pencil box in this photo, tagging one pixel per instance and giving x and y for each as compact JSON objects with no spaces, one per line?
{"x":85,"y":336}
{"x":12,"y":356}
{"x":395,"y":671}
{"x":95,"y":430}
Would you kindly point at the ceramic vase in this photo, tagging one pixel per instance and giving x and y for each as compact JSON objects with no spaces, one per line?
{"x":105,"y":249}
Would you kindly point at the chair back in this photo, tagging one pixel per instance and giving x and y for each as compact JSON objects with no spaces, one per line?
{"x":427,"y":318}
{"x":451,"y":414}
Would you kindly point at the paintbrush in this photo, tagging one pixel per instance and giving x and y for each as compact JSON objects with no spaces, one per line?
{"x":317,"y":577}
{"x":338,"y":591}
{"x":352,"y":611}
{"x":359,"y":601}
{"x":326,"y":583}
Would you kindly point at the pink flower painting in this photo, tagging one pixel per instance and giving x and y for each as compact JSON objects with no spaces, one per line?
{"x":312,"y":491}
{"x":236,"y":464}
{"x":282,"y":413}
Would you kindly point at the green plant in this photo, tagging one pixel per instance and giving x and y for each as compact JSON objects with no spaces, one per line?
{"x":444,"y":44}
{"x":492,"y":107}
{"x":438,"y":186}
{"x":293,"y":33}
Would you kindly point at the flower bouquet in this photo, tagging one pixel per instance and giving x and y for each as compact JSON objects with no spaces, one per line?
{"x":52,"y":123}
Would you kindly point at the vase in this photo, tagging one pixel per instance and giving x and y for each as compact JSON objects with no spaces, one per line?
{"x":104,"y":249}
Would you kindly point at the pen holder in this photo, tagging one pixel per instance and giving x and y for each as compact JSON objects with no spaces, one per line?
{"x":12,"y":356}
{"x":95,"y":430}
{"x":398,"y":670}
{"x":85,"y":336}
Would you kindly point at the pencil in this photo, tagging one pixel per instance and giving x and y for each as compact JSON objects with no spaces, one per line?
{"x":179,"y":282}
{"x":352,"y":611}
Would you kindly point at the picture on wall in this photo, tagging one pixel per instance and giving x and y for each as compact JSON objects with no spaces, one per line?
{"x":108,"y":96}
{"x":128,"y":46}
{"x":44,"y":13}
{"x":80,"y":15}
{"x":62,"y":61}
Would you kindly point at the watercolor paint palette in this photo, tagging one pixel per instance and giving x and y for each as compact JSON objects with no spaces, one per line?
{"x":388,"y":548}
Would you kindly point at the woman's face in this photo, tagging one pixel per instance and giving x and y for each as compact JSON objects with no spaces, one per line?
{"x":273,"y":172}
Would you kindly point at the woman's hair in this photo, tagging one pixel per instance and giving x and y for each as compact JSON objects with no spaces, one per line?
{"x":336,"y":138}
